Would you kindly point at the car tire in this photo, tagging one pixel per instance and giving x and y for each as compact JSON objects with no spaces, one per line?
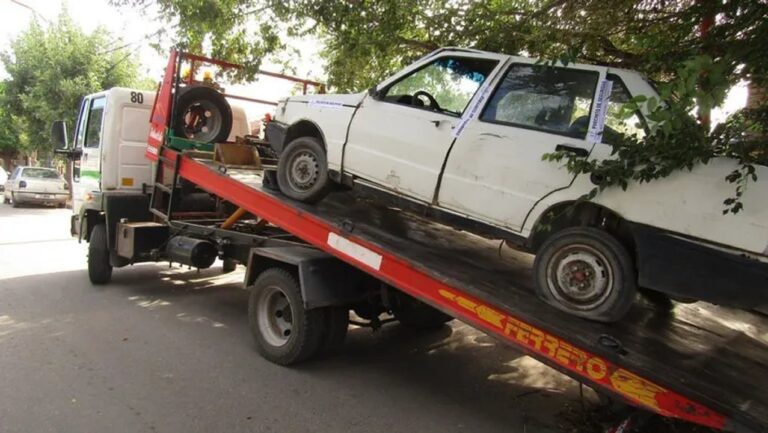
{"x":417,"y":315}
{"x":99,"y":266}
{"x":586,"y":272}
{"x":302,"y":171}
{"x":285,"y":332}
{"x":217,"y":122}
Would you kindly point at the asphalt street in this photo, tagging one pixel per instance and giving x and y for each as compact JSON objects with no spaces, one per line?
{"x":168,"y":350}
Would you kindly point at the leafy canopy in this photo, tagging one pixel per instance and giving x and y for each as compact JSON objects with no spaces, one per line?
{"x":50,"y":68}
{"x":695,"y":49}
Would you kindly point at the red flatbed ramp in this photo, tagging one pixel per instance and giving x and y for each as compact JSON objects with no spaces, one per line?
{"x":698,"y":362}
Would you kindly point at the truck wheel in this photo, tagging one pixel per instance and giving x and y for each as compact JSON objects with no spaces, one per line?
{"x":336,"y":326}
{"x":414,"y":314}
{"x":586,"y":272}
{"x":99,"y":268}
{"x":302,"y":171}
{"x":285,"y":332}
{"x":202,"y":114}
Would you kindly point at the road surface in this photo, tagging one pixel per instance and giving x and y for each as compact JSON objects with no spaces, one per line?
{"x":168,"y":350}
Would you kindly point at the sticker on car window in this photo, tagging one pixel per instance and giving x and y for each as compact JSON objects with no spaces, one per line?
{"x":595,"y":133}
{"x":473,"y":110}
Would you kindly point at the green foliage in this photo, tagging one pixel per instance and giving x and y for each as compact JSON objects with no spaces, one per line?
{"x":50,"y":69}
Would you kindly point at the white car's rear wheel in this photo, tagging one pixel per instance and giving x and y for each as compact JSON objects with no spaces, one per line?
{"x":586,"y":272}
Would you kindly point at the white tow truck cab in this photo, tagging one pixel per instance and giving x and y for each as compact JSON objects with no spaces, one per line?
{"x":108,"y":151}
{"x":460,"y":135}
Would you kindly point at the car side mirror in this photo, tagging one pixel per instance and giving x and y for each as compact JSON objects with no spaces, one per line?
{"x":59,"y":135}
{"x":374,"y":93}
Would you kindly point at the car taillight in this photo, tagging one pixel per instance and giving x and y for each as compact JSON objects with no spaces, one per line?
{"x":22,"y":184}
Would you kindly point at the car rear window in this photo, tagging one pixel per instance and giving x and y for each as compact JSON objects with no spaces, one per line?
{"x":40,"y":173}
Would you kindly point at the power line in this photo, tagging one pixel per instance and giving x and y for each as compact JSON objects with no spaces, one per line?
{"x":33,"y":10}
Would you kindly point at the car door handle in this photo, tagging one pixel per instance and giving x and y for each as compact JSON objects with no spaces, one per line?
{"x":578,"y":151}
{"x":436,"y":123}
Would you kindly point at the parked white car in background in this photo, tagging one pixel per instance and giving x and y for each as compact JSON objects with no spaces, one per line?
{"x":36,"y":185}
{"x":460,"y":135}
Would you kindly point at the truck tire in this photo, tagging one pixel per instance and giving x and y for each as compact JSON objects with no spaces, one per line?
{"x":212,"y":113}
{"x":586,"y":272}
{"x":99,"y":267}
{"x":302,"y":171}
{"x":336,"y":326}
{"x":285,"y":332}
{"x":414,"y":314}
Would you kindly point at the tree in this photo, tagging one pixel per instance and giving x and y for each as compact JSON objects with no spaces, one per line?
{"x":50,"y":69}
{"x":695,"y":50}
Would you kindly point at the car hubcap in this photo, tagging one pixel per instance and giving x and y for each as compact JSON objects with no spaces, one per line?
{"x":304,"y":171}
{"x":275,"y":316}
{"x":200,"y":122}
{"x":580,"y":277}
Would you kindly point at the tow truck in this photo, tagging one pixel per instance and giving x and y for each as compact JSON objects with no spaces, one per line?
{"x":309,"y":266}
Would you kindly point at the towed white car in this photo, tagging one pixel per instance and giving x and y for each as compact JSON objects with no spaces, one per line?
{"x":36,"y":185}
{"x":460,"y":136}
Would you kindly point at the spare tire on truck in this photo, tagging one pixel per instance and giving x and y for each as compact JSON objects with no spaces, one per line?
{"x":202,"y":114}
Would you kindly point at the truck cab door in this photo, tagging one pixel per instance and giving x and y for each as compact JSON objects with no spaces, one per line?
{"x":401,"y":132}
{"x":495,"y":172}
{"x":86,"y":170}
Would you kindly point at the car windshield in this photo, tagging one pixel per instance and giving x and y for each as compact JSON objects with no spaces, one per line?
{"x":40,"y":173}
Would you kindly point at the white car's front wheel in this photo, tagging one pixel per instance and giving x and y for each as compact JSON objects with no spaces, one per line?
{"x":302,"y":172}
{"x":586,"y":272}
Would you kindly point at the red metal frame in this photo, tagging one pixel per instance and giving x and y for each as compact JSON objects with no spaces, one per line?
{"x":542,"y":345}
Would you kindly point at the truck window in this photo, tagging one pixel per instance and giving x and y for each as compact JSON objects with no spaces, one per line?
{"x":616,"y":124}
{"x":450,"y":81}
{"x":550,"y":99}
{"x":93,"y":127}
{"x":80,"y":134}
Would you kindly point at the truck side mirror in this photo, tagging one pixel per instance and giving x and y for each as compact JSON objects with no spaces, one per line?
{"x":59,"y":135}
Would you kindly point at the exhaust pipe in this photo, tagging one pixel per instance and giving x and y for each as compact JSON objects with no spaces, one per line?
{"x":198,"y":253}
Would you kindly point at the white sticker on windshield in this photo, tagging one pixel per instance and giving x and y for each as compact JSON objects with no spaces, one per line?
{"x":595,"y":134}
{"x":319,"y":103}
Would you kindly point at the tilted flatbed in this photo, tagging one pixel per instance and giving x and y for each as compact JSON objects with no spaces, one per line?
{"x":698,"y":362}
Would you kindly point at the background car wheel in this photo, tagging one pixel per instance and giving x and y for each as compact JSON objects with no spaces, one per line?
{"x":414,"y":314}
{"x":99,"y":267}
{"x":302,"y":171}
{"x":586,"y":272}
{"x":285,"y":332}
{"x":203,"y":114}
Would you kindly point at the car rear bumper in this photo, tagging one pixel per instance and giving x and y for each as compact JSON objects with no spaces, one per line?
{"x":690,"y":269}
{"x":40,"y":197}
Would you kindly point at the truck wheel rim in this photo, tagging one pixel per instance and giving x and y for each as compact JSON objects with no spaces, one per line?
{"x":580,"y":277}
{"x":304,"y":171}
{"x":275,"y":316}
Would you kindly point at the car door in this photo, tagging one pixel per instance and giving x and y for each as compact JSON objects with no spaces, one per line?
{"x":399,"y":138}
{"x":495,"y":172}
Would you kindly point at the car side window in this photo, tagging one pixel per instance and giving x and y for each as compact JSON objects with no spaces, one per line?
{"x":93,"y":127}
{"x":618,"y":123}
{"x":545,"y":98}
{"x":445,"y":85}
